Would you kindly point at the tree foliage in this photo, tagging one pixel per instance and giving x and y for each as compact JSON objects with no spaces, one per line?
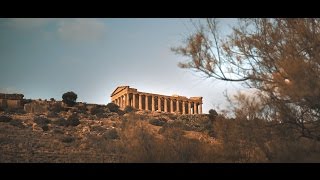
{"x":212,"y":114}
{"x":113,"y":107}
{"x":278,"y":57}
{"x":69,"y":98}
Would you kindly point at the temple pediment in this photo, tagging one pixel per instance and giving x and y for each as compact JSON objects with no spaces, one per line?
{"x":118,"y":90}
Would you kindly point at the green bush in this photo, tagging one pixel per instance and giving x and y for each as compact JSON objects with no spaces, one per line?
{"x":67,"y":139}
{"x":17,"y":123}
{"x":193,"y":123}
{"x":5,"y":118}
{"x":128,"y":109}
{"x":96,"y":110}
{"x":45,"y":128}
{"x":213,"y":114}
{"x":113,"y":107}
{"x":61,"y":122}
{"x":111,"y":134}
{"x":56,"y":107}
{"x":157,"y":122}
{"x":69,"y":98}
{"x":73,"y":120}
{"x":41,"y":121}
{"x":52,"y":114}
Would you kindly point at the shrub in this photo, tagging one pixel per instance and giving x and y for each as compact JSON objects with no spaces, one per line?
{"x":213,"y":114}
{"x":99,"y":111}
{"x":69,"y":98}
{"x":17,"y":123}
{"x":171,"y":132}
{"x":58,"y":131}
{"x":67,"y":139}
{"x":113,"y":107}
{"x":193,"y":122}
{"x":52,"y":99}
{"x":73,"y":120}
{"x":5,"y":118}
{"x":128,"y":109}
{"x":45,"y":128}
{"x":56,"y":107}
{"x":52,"y":114}
{"x":111,"y":134}
{"x":14,"y":111}
{"x":41,"y":121}
{"x":61,"y":122}
{"x":82,"y":108}
{"x":157,"y":122}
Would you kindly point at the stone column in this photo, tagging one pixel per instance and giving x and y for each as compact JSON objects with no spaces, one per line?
{"x":134,"y":100}
{"x":183,"y":107}
{"x":120,"y":101}
{"x":165,"y":105}
{"x":159,"y":104}
{"x":178,"y":106}
{"x":189,"y":108}
{"x":124,"y":101}
{"x":195,"y":108}
{"x":152,"y":103}
{"x":200,"y":108}
{"x":140,"y":102}
{"x":171,"y":105}
{"x":128,"y":99}
{"x":146,"y":102}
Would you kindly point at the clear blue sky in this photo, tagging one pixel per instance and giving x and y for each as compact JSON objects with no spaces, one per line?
{"x":43,"y":58}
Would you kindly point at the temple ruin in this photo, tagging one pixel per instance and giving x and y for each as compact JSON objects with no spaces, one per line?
{"x":125,"y":96}
{"x":11,"y":101}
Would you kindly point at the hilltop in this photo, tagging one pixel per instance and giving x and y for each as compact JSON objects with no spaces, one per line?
{"x":46,"y":131}
{"x":50,"y":131}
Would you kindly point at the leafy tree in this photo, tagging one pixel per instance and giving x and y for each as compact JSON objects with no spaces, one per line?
{"x":69,"y":98}
{"x":212,"y":114}
{"x":113,"y":107}
{"x":128,"y":109}
{"x":278,"y":57}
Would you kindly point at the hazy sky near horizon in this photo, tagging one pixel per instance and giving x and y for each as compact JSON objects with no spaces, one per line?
{"x":44,"y":58}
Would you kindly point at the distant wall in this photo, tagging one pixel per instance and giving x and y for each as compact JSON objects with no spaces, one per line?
{"x":11,"y":101}
{"x":36,"y":107}
{"x":3,"y":103}
{"x":12,"y":104}
{"x":11,"y":96}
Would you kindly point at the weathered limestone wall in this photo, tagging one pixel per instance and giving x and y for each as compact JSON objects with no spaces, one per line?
{"x":36,"y":107}
{"x":13,"y":104}
{"x":11,"y":96}
{"x":11,"y":101}
{"x":3,"y":103}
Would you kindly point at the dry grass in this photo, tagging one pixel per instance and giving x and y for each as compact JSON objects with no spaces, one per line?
{"x":131,"y":138}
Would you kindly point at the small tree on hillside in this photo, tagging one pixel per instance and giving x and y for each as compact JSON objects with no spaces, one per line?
{"x":113,"y":107}
{"x":69,"y":98}
{"x":213,"y":114}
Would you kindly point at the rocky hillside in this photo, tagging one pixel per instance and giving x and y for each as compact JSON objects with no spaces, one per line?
{"x":96,"y":134}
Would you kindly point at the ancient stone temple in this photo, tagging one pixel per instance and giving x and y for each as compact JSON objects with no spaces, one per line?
{"x":125,"y":96}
